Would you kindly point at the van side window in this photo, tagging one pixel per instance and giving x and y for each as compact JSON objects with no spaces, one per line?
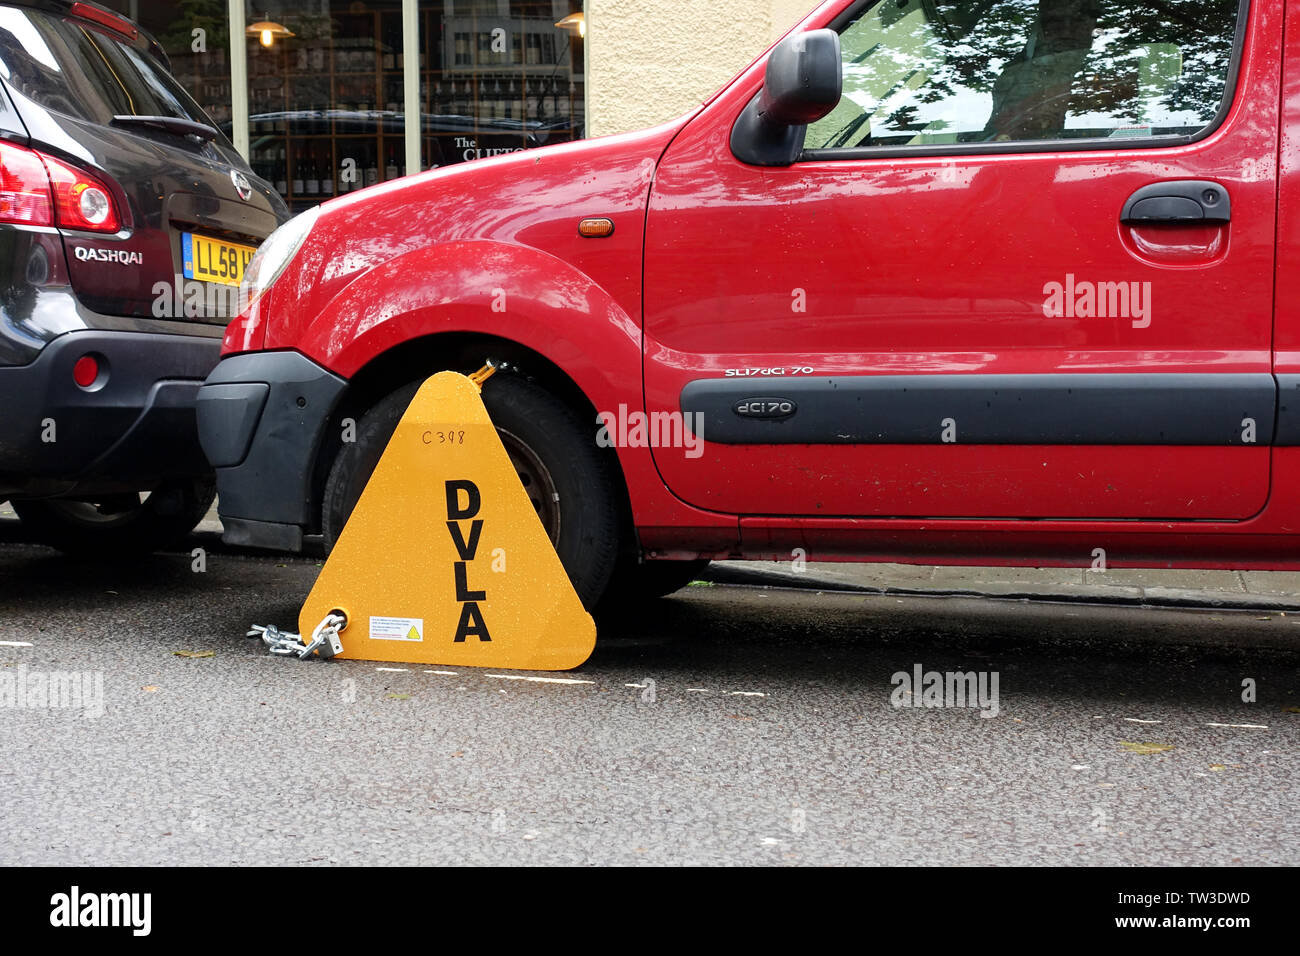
{"x":949,"y":72}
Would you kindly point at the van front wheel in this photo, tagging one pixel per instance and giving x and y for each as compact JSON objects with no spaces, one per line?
{"x":567,"y":479}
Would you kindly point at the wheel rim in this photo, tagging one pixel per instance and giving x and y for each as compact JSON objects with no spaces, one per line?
{"x":537,"y":482}
{"x":106,"y":512}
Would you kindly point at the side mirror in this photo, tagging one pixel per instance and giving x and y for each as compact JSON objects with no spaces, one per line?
{"x":803,"y":83}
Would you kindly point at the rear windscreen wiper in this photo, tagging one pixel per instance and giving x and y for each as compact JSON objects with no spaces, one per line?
{"x":172,"y":124}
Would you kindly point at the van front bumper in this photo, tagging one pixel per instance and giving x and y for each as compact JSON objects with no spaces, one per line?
{"x":262,"y":421}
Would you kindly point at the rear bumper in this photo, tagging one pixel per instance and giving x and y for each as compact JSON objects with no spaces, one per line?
{"x":262,"y":420}
{"x":133,"y":427}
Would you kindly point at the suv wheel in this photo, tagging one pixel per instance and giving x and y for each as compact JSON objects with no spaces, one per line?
{"x":569,"y":482}
{"x":119,"y":524}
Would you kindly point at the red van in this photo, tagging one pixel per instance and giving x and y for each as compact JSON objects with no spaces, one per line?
{"x":931,"y":281}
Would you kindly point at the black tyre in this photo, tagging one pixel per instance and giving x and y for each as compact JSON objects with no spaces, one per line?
{"x":636,"y":583}
{"x":135,"y":523}
{"x":570,"y":483}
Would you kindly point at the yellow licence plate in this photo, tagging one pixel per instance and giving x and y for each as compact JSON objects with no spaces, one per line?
{"x":214,"y":260}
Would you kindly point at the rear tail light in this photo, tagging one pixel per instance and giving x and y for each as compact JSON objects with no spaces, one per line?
{"x":24,"y":187}
{"x":80,"y":200}
{"x":39,"y":190}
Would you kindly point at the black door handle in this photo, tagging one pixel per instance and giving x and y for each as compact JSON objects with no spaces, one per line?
{"x":1180,"y":202}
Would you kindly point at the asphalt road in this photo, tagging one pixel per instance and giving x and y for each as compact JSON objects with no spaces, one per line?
{"x":767,"y":737}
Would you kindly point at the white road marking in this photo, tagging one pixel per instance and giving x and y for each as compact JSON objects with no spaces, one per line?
{"x":560,"y":680}
{"x":16,"y":644}
{"x":1241,"y":726}
{"x":1135,"y":720}
{"x":540,"y":680}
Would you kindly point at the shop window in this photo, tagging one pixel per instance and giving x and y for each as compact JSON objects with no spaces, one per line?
{"x":501,"y":76}
{"x":326,"y":105}
{"x":494,"y":77}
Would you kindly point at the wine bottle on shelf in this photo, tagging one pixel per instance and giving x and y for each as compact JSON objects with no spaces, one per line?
{"x":372,"y":171}
{"x":327,"y":179}
{"x":297,"y":184}
{"x":313,"y":177}
{"x":390,"y":172}
{"x":281,"y":172}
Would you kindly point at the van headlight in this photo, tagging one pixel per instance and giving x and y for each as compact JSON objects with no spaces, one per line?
{"x":275,"y":254}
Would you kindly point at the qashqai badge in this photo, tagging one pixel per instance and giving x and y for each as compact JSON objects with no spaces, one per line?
{"x":242,"y":185}
{"x":768,"y":409}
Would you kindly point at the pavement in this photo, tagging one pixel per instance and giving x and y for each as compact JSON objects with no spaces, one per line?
{"x":1243,"y":590}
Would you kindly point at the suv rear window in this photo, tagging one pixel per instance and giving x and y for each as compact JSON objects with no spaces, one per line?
{"x":950,"y":72}
{"x":77,"y":69}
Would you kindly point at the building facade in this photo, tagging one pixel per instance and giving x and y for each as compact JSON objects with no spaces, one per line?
{"x":652,"y":60}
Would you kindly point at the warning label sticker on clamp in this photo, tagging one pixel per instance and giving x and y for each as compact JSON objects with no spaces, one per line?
{"x":397,"y":629}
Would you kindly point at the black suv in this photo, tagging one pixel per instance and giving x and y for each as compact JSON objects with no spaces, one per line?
{"x":126,"y":220}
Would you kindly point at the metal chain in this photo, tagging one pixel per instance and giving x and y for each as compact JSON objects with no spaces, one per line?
{"x":324,"y":641}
